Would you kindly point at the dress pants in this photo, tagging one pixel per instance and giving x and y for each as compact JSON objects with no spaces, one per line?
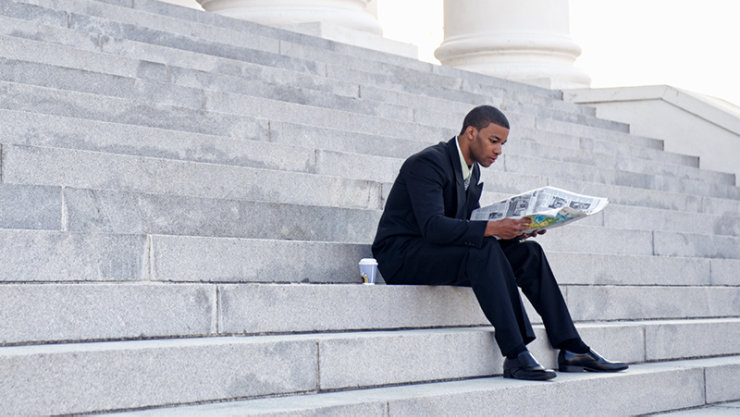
{"x":494,"y":271}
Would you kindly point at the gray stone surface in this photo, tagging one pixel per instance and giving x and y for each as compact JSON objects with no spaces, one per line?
{"x":30,"y":207}
{"x":29,"y":11}
{"x":27,"y":255}
{"x":589,"y":395}
{"x":73,"y":79}
{"x":598,"y":240}
{"x":722,"y":383}
{"x":59,"y":312}
{"x":89,"y":106}
{"x":697,"y":338}
{"x":699,"y":245}
{"x":625,"y":303}
{"x":725,"y":272}
{"x":82,"y":169}
{"x":379,"y":358}
{"x":66,"y":132}
{"x":181,"y":258}
{"x":566,"y":128}
{"x":290,"y":308}
{"x":129,"y":213}
{"x":661,"y":387}
{"x":31,"y":43}
{"x":56,"y":379}
{"x":595,"y":269}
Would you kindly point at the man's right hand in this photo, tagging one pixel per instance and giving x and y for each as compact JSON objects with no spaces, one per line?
{"x":507,"y":228}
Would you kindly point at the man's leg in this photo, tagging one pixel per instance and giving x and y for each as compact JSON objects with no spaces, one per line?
{"x":534,"y":276}
{"x":486,"y":270}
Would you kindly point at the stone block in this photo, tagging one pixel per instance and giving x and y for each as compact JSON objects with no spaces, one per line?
{"x":596,"y":269}
{"x":696,"y":245}
{"x":722,"y":383}
{"x":343,"y":141}
{"x":86,"y":81}
{"x":629,"y":303}
{"x":311,"y":115}
{"x":574,"y":129}
{"x":30,"y":207}
{"x":381,"y":358}
{"x":71,"y":378}
{"x":27,"y":255}
{"x":597,"y":240}
{"x":60,"y":312}
{"x":646,"y":218}
{"x":725,"y":272}
{"x":590,"y":395}
{"x":88,"y":106}
{"x":623,"y":341}
{"x":64,"y":132}
{"x":695,"y":338}
{"x":129,"y":213}
{"x":181,"y":258}
{"x":366,"y":167}
{"x":82,"y":169}
{"x":293,"y":308}
{"x":24,"y":45}
{"x":33,"y":12}
{"x":250,"y":77}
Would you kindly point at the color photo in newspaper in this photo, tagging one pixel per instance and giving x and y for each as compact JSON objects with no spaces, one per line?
{"x":547,"y":207}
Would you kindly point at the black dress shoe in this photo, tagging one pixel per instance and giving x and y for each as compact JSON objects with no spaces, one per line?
{"x":525,"y":366}
{"x":591,"y":361}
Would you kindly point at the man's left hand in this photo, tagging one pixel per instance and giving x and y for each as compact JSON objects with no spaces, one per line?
{"x":532,"y":234}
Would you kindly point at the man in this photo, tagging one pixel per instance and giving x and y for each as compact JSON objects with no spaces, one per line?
{"x":425,"y":237}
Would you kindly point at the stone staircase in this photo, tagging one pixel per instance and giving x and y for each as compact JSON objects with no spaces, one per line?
{"x":184,"y":198}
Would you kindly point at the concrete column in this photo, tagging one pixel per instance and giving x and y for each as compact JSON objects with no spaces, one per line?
{"x":349,"y":14}
{"x":521,"y":40}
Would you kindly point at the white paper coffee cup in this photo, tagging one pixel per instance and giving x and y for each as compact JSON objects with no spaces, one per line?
{"x":368,"y":270}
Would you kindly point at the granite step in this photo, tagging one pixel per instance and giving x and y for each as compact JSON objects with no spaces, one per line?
{"x":59,"y":312}
{"x":282,"y":153}
{"x":218,"y":33}
{"x":164,"y":179}
{"x":84,"y":169}
{"x":318,"y":363}
{"x":112,"y":211}
{"x":645,"y":388}
{"x":329,"y":162}
{"x":292,"y":146}
{"x":70,"y":256}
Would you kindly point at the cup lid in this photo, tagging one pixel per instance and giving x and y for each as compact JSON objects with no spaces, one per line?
{"x":368,"y":261}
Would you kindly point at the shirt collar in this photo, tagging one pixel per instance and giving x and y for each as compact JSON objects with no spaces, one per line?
{"x":466,"y":170}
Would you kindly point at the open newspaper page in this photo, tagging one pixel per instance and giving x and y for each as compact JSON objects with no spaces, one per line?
{"x":547,"y":207}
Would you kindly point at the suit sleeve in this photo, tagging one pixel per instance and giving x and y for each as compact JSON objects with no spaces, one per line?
{"x":425,"y":179}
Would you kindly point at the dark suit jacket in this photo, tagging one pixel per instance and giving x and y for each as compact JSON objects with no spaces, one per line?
{"x":428,"y":201}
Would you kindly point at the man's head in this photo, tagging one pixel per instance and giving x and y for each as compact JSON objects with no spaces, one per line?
{"x":485,"y":130}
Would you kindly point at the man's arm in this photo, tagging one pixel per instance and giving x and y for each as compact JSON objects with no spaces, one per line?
{"x":425,"y":179}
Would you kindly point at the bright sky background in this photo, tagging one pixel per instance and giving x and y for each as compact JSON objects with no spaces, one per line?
{"x":689,"y":44}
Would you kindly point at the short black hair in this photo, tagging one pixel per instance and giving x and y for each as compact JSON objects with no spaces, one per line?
{"x":482,"y":116}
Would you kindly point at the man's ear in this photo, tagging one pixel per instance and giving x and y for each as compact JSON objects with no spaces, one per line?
{"x":470,"y":132}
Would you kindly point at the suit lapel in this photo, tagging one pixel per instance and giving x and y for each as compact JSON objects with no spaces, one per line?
{"x":460,"y":211}
{"x":474,"y":189}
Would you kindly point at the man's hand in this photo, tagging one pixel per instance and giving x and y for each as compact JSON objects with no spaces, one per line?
{"x":511,"y":229}
{"x":533,"y":234}
{"x":507,"y":228}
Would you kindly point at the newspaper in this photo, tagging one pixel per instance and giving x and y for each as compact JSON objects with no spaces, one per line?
{"x":547,"y":207}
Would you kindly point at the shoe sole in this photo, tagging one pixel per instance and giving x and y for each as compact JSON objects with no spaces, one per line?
{"x":572,"y":368}
{"x":535,"y":377}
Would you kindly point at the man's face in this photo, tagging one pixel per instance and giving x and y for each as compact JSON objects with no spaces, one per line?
{"x":486,"y":144}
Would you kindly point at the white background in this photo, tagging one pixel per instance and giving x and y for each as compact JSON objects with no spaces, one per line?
{"x":689,"y":44}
